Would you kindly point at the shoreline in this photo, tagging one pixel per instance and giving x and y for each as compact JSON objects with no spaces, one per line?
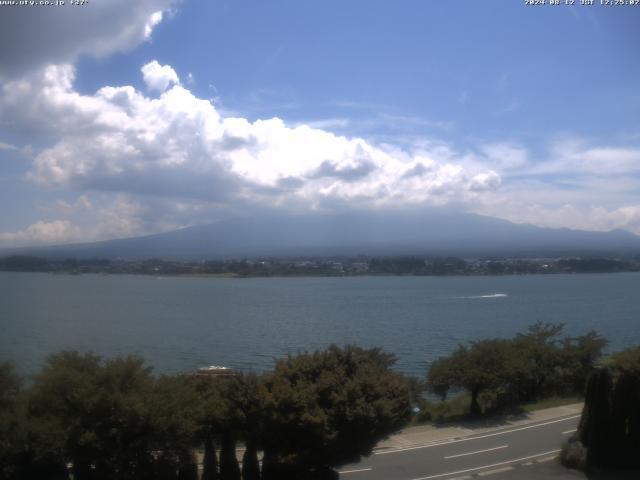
{"x":306,"y":275}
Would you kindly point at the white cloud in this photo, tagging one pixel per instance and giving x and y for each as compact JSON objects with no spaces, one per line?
{"x":150,"y":164}
{"x":485,"y":181}
{"x":7,"y":146}
{"x":505,"y":156}
{"x":59,"y":231}
{"x":577,"y":217}
{"x":179,"y":145}
{"x":154,"y":19}
{"x":573,"y":156}
{"x":33,"y":37}
{"x":159,"y":77}
{"x":91,"y":217}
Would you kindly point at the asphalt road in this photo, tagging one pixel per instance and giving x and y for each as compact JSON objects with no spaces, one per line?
{"x":495,"y":451}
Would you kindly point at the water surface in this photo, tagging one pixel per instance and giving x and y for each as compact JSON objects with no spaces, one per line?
{"x":180,"y":323}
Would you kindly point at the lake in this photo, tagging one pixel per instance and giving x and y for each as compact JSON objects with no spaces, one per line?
{"x":181,"y":323}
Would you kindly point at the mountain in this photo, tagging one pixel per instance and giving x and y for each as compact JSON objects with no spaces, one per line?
{"x":372,"y":233}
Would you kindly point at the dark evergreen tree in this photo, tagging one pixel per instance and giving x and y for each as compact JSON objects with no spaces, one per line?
{"x":229,"y":469}
{"x":250,"y":465}
{"x":626,"y":407}
{"x":187,"y":467}
{"x":595,"y":424}
{"x":209,"y":462}
{"x":165,"y":467}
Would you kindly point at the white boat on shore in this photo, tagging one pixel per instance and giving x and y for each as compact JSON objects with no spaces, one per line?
{"x":215,"y":370}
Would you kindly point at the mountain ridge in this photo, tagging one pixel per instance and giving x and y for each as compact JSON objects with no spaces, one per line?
{"x":367,"y":233}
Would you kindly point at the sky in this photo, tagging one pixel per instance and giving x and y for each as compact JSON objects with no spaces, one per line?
{"x":122,"y":118}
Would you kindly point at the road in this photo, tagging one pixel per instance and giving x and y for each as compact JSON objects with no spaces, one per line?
{"x":494,"y":451}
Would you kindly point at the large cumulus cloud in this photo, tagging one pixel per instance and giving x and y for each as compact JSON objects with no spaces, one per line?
{"x":148,"y":162}
{"x":121,"y":140}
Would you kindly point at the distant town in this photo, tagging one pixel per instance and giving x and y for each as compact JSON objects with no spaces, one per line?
{"x":324,"y":266}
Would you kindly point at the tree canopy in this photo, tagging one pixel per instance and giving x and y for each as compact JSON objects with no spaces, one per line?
{"x":531,"y":365}
{"x":328,"y":408}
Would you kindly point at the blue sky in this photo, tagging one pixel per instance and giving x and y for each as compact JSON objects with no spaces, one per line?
{"x":529,"y":113}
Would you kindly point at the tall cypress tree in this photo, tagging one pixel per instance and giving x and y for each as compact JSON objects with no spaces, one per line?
{"x":622,"y":407}
{"x":187,"y":467}
{"x":250,"y":465}
{"x":595,"y":424}
{"x":229,"y":469}
{"x":209,"y":462}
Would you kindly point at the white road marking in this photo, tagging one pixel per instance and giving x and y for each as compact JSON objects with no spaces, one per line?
{"x":479,"y":451}
{"x":476,"y":438}
{"x":546,"y":459}
{"x":355,"y":471}
{"x":569,"y":431}
{"x":494,"y":471}
{"x":515,"y":460}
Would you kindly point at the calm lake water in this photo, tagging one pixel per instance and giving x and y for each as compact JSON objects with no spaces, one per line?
{"x":180,"y":323}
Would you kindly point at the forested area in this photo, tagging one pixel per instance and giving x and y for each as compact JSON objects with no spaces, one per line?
{"x":503,"y":373}
{"x":96,"y":418}
{"x":113,"y":419}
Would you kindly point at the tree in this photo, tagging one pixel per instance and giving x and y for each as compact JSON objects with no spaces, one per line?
{"x":209,"y":461}
{"x":625,"y":415}
{"x":229,"y":469}
{"x":626,"y":361}
{"x":610,"y":424}
{"x":11,"y":432}
{"x":174,"y":406}
{"x":579,"y":358}
{"x":542,"y":355}
{"x":595,"y":424}
{"x":209,"y":418}
{"x":188,"y":468}
{"x":246,"y":394}
{"x":97,"y":412}
{"x":484,"y":365}
{"x":23,"y":454}
{"x":328,"y":408}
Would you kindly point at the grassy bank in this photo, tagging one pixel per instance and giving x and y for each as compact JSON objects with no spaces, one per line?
{"x":457,"y":409}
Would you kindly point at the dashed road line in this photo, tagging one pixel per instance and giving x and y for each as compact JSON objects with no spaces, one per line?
{"x":467,"y":470}
{"x":355,"y":471}
{"x":467,"y":439}
{"x":494,"y":471}
{"x":478,"y":451}
{"x":546,"y":459}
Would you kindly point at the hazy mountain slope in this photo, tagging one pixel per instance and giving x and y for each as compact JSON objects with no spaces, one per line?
{"x":434,"y":233}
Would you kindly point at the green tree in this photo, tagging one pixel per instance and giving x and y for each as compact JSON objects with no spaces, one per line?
{"x":328,"y":408}
{"x":595,"y":424}
{"x":209,"y":461}
{"x":229,"y":468}
{"x":484,"y":365}
{"x":542,"y":356}
{"x":626,"y":361}
{"x":625,"y":415}
{"x":12,"y":435}
{"x":174,"y":406}
{"x":98,"y":412}
{"x":246,"y":396}
{"x":580,"y":356}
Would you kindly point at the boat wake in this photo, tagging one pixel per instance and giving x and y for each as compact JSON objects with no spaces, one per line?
{"x":493,"y":295}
